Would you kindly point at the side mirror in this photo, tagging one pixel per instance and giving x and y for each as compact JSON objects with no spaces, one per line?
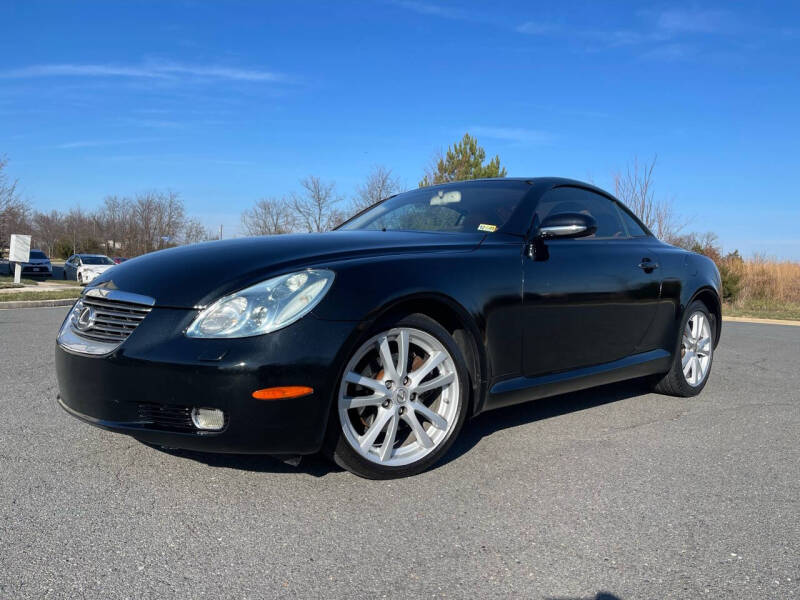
{"x":567,"y":225}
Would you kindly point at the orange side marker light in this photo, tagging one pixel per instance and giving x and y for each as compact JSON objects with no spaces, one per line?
{"x":283,"y":392}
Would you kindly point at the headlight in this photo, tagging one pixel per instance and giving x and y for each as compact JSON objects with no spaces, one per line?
{"x":263,"y":307}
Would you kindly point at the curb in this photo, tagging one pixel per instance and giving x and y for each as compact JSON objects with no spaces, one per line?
{"x":761,"y":321}
{"x":37,"y":303}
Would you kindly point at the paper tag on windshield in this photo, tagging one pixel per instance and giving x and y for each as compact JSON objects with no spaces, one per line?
{"x":488,"y":228}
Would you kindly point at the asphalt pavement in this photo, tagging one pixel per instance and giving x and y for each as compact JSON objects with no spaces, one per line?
{"x":613,"y":493}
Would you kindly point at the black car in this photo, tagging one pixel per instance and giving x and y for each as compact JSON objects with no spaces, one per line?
{"x":375,"y":342}
{"x":38,"y":265}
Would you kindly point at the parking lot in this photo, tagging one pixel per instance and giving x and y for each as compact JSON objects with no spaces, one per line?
{"x":609,"y":493}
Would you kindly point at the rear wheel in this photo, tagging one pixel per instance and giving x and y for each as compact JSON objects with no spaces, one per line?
{"x":401,"y":400}
{"x":691,"y":365}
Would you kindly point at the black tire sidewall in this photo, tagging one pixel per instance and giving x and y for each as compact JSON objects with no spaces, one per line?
{"x":339,"y":449}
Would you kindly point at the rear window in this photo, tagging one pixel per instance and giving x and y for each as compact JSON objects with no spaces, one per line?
{"x":38,"y":254}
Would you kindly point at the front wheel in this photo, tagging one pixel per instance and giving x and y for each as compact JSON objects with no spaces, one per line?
{"x":691,"y":364}
{"x":401,"y":401}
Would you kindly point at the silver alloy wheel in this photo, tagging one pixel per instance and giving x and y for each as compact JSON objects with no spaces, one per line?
{"x":696,"y":349}
{"x":399,"y":398}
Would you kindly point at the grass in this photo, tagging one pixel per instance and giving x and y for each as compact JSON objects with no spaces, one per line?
{"x":8,"y":282}
{"x":52,"y":295}
{"x":769,"y":289}
{"x":789,"y":311}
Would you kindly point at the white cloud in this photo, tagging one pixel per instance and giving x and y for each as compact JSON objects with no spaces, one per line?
{"x":149,"y":70}
{"x":98,"y":143}
{"x":669,"y":52}
{"x":429,"y":8}
{"x":677,"y":20}
{"x":512,"y":134}
{"x":537,"y":28}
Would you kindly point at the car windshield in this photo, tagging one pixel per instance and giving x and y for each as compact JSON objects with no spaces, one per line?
{"x":470,"y":207}
{"x":38,"y":254}
{"x":96,"y":260}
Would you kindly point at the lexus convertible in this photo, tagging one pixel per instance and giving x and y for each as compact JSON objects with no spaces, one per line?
{"x":374,"y":343}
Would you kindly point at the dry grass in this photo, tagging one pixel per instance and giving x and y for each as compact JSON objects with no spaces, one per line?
{"x":50,"y":295}
{"x":767,"y":287}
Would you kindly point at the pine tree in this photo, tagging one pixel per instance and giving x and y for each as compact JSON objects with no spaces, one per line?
{"x":464,"y":160}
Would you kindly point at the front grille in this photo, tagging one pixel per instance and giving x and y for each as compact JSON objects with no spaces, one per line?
{"x":166,"y":416}
{"x":107,"y":320}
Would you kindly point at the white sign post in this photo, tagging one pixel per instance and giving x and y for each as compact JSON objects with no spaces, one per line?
{"x":19,"y":252}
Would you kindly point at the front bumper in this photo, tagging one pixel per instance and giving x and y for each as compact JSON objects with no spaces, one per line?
{"x":158,"y":367}
{"x":90,"y":276}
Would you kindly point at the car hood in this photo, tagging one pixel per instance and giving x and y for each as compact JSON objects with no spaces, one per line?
{"x":196,"y":275}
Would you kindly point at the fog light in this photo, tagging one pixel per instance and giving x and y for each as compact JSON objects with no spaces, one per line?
{"x":211,"y":419}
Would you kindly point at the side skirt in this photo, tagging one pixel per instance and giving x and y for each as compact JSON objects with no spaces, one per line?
{"x":523,"y":389}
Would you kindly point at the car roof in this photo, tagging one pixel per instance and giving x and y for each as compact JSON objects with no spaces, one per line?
{"x":92,"y":255}
{"x":544,"y":181}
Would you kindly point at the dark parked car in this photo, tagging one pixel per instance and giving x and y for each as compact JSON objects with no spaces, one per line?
{"x":374,"y":343}
{"x":38,"y":265}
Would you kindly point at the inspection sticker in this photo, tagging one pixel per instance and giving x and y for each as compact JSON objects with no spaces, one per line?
{"x":485,"y":227}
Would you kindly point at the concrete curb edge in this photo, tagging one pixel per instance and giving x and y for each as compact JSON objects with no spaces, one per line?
{"x":37,"y":303}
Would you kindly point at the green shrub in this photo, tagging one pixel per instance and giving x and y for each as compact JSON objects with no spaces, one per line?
{"x":731,"y":281}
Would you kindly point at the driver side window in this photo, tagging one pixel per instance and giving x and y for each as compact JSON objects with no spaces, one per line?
{"x":577,"y":200}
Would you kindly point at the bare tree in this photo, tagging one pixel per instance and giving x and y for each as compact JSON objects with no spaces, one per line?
{"x":635,"y":188}
{"x":380,"y":184}
{"x":195,"y":232}
{"x":158,"y":219}
{"x":14,"y":212}
{"x":47,"y":228}
{"x":269,"y":216}
{"x":112,"y":217}
{"x":430,"y":170}
{"x":316,"y":207}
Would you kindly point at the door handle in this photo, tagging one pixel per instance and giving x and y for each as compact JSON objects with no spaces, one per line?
{"x":648,"y":265}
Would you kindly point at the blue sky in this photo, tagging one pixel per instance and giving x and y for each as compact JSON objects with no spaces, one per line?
{"x":227,"y":102}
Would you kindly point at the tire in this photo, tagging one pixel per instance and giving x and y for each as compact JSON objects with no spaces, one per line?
{"x":685,"y":384}
{"x":422,"y":413}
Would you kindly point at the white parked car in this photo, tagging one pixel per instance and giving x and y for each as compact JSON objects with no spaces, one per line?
{"x":85,"y":267}
{"x":38,"y":265}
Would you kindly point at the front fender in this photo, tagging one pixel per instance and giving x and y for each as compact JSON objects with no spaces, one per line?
{"x":481,"y":288}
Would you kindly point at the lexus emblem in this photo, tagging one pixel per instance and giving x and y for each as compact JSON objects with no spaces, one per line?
{"x":85,"y":318}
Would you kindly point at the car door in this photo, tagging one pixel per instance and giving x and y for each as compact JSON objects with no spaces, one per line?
{"x":71,"y":267}
{"x":588,"y":300}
